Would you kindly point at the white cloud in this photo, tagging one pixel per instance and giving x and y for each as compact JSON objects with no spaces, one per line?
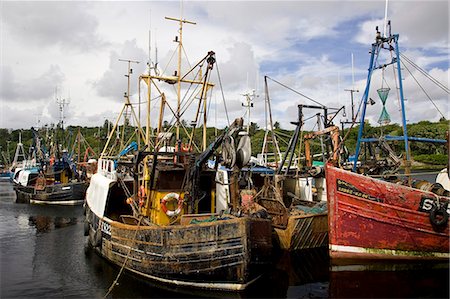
{"x":113,"y":84}
{"x":76,"y":46}
{"x":30,"y":88}
{"x":46,"y":24}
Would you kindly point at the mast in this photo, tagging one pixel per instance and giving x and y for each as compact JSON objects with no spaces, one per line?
{"x":62,"y":102}
{"x":124,"y":112}
{"x":376,"y":48}
{"x":269,"y":127}
{"x":179,"y":40}
{"x":249,"y":98}
{"x":127,"y":99}
{"x":20,"y":152}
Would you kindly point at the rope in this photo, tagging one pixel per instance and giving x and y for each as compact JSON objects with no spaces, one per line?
{"x":397,"y":89}
{"x":223,"y":95}
{"x":125,"y":261}
{"x":423,"y":72}
{"x":293,"y":90}
{"x":429,"y":98}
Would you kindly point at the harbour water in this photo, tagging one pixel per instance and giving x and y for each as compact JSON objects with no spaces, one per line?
{"x":44,"y":254}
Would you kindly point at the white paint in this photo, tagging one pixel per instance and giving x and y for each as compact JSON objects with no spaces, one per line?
{"x":59,"y":202}
{"x":391,"y":252}
{"x":97,"y":193}
{"x":222,"y":190}
{"x":305,"y":185}
{"x":442,"y":178}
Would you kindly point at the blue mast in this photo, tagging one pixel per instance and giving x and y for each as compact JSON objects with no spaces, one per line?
{"x":364,"y":102}
{"x":402,"y":99}
{"x":382,"y":43}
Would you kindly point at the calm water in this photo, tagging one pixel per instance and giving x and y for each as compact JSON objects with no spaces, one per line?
{"x":43,"y":254}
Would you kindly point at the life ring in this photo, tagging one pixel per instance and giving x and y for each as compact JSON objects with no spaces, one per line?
{"x":185,"y":147}
{"x":439,"y":216}
{"x":168,"y":197}
{"x":142,"y":196}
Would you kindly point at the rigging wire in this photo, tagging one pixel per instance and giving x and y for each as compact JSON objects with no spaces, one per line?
{"x":297,"y":92}
{"x":168,"y":62}
{"x":428,"y":96}
{"x":397,"y":88}
{"x":186,"y":56}
{"x":223,"y":95}
{"x":426,"y":74}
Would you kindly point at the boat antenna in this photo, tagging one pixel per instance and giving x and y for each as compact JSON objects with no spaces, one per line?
{"x":152,"y":66}
{"x":149,"y":63}
{"x":62,"y":102}
{"x":385,"y":18}
{"x":352,"y":90}
{"x":156,"y":55}
{"x":249,"y":104}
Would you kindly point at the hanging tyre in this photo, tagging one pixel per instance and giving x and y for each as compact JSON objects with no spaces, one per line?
{"x":97,"y":238}
{"x":439,"y":216}
{"x":86,"y":228}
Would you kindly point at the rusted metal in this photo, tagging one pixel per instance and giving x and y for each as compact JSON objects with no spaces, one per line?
{"x":370,"y":218}
{"x":304,"y":232}
{"x":294,"y":229}
{"x":227,"y":253}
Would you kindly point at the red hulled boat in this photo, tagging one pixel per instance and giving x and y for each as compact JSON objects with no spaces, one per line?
{"x":373,"y":219}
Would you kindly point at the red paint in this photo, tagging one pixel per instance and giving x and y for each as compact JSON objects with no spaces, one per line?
{"x":390,"y":219}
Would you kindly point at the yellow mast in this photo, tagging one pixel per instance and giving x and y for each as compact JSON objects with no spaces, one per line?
{"x":178,"y":75}
{"x":127,"y":98}
{"x":124,"y":112}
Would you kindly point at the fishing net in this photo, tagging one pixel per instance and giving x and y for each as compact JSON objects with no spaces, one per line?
{"x":384,"y":118}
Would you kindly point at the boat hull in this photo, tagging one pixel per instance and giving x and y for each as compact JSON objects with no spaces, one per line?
{"x":303,"y":232}
{"x":58,"y":194}
{"x":374,"y":219}
{"x":223,"y":255}
{"x":295,"y":230}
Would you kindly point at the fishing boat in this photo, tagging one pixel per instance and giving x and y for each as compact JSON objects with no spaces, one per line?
{"x":5,"y":169}
{"x":384,"y":217}
{"x":295,"y":195}
{"x":152,"y":209}
{"x":19,"y":160}
{"x":53,"y":181}
{"x":296,"y":198}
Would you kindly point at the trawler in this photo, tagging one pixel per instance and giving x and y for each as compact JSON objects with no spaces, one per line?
{"x":152,"y":208}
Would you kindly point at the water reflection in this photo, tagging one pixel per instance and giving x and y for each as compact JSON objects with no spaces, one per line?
{"x":43,"y":254}
{"x":44,"y":224}
{"x":390,"y":280}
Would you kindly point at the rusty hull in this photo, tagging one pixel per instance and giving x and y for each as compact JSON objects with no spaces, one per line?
{"x":225,"y":254}
{"x":304,"y":232}
{"x":296,"y":231}
{"x":374,"y":219}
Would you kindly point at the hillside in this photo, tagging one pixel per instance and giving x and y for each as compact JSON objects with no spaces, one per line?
{"x":96,"y":136}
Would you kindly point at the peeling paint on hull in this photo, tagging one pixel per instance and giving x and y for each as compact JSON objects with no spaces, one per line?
{"x":304,"y":232}
{"x":374,"y":219}
{"x":223,"y":255}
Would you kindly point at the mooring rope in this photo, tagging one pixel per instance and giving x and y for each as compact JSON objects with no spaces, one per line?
{"x":115,"y":282}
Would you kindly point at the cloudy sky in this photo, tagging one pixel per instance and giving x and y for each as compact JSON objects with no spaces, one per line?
{"x":71,"y":50}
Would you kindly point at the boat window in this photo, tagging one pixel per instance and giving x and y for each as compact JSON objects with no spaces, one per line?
{"x":206,"y":185}
{"x":171,"y":180}
{"x":116,"y":204}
